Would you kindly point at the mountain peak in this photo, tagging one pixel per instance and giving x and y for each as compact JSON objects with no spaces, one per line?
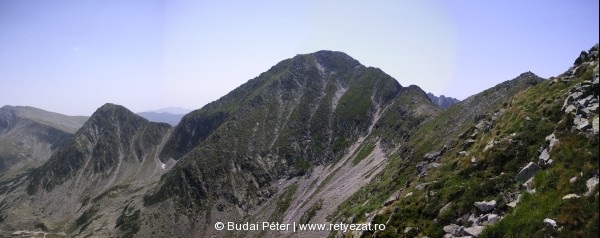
{"x":327,"y":55}
{"x":331,"y":60}
{"x":528,"y":78}
{"x":172,"y":110}
{"x":112,"y":107}
{"x":111,"y":137}
{"x":324,"y":54}
{"x":528,"y":74}
{"x":113,"y":113}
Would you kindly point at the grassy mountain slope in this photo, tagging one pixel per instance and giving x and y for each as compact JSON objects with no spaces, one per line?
{"x":433,"y":136}
{"x":29,"y":136}
{"x":482,"y":158}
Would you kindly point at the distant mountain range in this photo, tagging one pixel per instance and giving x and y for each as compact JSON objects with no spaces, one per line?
{"x":172,"y":110}
{"x":170,"y":115}
{"x":318,"y":138}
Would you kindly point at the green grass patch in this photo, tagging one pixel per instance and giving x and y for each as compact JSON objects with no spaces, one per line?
{"x":365,"y":151}
{"x":284,"y":202}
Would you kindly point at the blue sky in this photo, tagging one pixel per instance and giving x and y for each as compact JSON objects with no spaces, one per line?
{"x":73,"y":56}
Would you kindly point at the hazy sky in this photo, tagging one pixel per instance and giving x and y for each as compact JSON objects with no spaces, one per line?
{"x":73,"y":56}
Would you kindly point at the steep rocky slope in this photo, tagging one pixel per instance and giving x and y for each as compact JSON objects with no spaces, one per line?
{"x":442,"y":101}
{"x":114,"y":151}
{"x":526,"y":165}
{"x":305,"y":123}
{"x":112,"y":137}
{"x":422,"y":150}
{"x":29,"y":136}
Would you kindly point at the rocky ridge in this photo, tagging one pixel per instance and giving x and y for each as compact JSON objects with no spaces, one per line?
{"x":29,"y":136}
{"x":489,"y":179}
{"x":115,"y":150}
{"x":442,"y":101}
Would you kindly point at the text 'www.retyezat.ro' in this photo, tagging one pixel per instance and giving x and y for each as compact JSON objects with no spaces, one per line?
{"x":295,"y":227}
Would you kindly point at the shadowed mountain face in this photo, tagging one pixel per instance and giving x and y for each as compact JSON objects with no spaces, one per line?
{"x":292,"y":88}
{"x":303,"y":112}
{"x":113,"y":136}
{"x":29,"y":136}
{"x":288,"y":124}
{"x":114,"y":151}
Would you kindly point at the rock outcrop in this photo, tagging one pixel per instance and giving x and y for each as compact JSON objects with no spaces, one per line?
{"x":515,"y":150}
{"x":527,"y":172}
{"x":442,"y":101}
{"x":486,"y":206}
{"x":583,"y":99}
